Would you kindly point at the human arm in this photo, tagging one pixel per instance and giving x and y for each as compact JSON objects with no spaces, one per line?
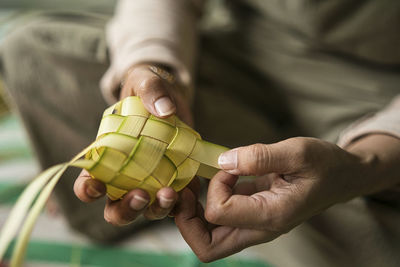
{"x":151,"y":31}
{"x":298,"y":178}
{"x":144,"y":37}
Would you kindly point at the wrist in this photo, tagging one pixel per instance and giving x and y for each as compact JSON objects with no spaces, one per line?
{"x":366,"y":171}
{"x":379,"y":162}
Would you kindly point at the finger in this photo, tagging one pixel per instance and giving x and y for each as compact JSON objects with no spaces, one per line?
{"x":183,"y":111}
{"x":153,"y":91}
{"x":126,"y":210}
{"x":258,"y":159}
{"x":212,"y":243}
{"x":255,"y":184}
{"x":165,"y":201}
{"x":195,"y":186}
{"x":88,"y":189}
{"x":191,"y":223}
{"x":227,"y":241}
{"x":245,"y":188}
{"x":224,"y":208}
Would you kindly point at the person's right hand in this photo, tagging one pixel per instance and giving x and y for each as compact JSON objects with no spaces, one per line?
{"x":297,"y":179}
{"x":162,"y":98}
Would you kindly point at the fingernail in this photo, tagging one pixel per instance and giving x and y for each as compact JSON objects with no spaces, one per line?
{"x":164,"y":106}
{"x":165,"y":203}
{"x":138,"y":202}
{"x":228,"y":160}
{"x":93,"y":192}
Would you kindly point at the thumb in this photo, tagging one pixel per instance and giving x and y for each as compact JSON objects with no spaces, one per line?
{"x":257,"y":159}
{"x":147,"y":82}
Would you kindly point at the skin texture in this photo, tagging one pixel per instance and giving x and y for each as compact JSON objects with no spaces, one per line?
{"x":297,"y":179}
{"x":143,"y":82}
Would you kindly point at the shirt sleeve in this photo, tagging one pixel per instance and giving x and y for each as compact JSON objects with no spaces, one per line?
{"x":387,"y":121}
{"x":159,"y":31}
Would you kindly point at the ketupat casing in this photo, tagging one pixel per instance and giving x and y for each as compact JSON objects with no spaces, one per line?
{"x":135,"y":149}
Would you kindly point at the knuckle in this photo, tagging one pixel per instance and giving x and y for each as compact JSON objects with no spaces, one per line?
{"x":255,"y":159}
{"x":150,"y":84}
{"x":204,"y":255}
{"x":107,"y":216}
{"x":301,"y":150}
{"x":257,"y":150}
{"x":112,"y":220}
{"x":117,"y":218}
{"x":213,"y":213}
{"x":204,"y":258}
{"x":217,"y":213}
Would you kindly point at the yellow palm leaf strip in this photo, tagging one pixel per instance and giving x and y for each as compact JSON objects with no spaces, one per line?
{"x":178,"y":152}
{"x":207,"y":154}
{"x":23,"y":237}
{"x":133,"y":149}
{"x":166,"y":172}
{"x":22,"y":206}
{"x":185,"y":173}
{"x":163,"y":151}
{"x":145,"y":160}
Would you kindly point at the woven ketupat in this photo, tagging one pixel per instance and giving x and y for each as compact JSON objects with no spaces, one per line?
{"x":135,"y":149}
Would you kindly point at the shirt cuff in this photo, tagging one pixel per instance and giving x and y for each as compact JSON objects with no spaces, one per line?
{"x":386,"y":121}
{"x":157,"y":53}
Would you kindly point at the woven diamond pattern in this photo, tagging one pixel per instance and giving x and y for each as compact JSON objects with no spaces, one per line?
{"x":150,"y":152}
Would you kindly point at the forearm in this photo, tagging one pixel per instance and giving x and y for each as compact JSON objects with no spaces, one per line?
{"x":380,"y":157}
{"x":375,"y":139}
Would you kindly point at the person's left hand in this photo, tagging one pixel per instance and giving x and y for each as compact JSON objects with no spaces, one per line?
{"x":299,"y":178}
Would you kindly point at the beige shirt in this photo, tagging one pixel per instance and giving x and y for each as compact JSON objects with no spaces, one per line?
{"x":151,"y":31}
{"x":166,"y":32}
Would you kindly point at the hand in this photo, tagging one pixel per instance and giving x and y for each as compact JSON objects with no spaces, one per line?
{"x":299,"y":178}
{"x":162,"y":98}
